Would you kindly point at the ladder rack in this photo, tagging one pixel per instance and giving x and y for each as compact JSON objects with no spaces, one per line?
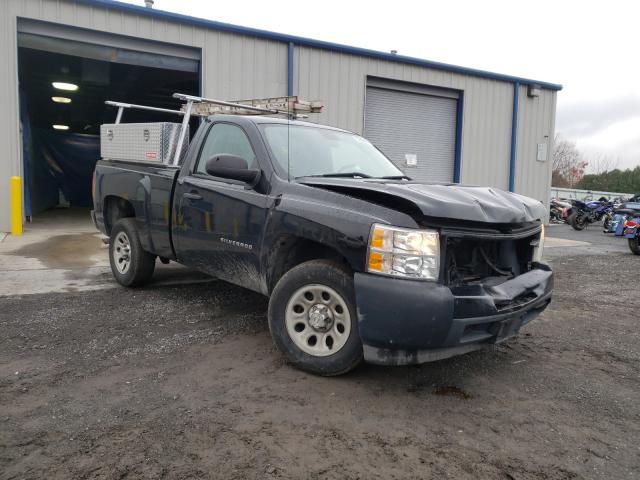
{"x":291,"y":106}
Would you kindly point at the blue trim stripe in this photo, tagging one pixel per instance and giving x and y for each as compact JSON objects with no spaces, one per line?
{"x":290,"y":69}
{"x":308,"y":42}
{"x":457,"y":161}
{"x":514,"y":136}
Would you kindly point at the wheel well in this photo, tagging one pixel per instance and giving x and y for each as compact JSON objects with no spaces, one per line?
{"x":291,"y":251}
{"x":116,"y":208}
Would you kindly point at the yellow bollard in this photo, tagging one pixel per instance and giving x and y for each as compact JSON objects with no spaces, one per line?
{"x":16,"y":206}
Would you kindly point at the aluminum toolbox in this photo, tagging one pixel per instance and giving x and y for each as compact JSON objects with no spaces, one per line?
{"x":141,"y":142}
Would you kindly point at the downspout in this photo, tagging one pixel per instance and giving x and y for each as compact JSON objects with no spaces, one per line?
{"x":514,"y":136}
{"x":290,"y":69}
{"x":457,"y":162}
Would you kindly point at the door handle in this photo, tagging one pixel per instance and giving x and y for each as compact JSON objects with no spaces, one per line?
{"x":192,"y":196}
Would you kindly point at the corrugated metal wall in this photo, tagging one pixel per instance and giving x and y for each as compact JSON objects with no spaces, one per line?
{"x":340,"y":80}
{"x":233,"y":66}
{"x":240,"y":66}
{"x":10,"y":143}
{"x":536,"y":125}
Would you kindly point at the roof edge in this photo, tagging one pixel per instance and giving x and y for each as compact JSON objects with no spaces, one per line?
{"x":321,"y":44}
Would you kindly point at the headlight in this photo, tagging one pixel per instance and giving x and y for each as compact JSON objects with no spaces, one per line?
{"x":404,"y":252}
{"x":538,"y":247}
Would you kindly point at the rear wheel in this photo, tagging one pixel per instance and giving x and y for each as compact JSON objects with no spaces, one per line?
{"x":634,"y":245}
{"x":312,"y":318}
{"x":577,"y":220}
{"x":130,"y":264}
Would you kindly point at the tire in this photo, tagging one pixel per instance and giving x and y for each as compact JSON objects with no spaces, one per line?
{"x":316,"y":300}
{"x":567,"y":214}
{"x":130,"y":264}
{"x":577,"y":221}
{"x":634,"y":245}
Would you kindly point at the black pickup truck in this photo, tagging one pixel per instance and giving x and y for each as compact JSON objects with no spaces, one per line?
{"x":359,"y":261}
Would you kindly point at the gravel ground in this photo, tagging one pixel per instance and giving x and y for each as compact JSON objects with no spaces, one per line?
{"x":184,"y":382}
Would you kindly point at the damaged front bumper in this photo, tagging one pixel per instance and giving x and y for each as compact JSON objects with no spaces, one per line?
{"x":403,"y":322}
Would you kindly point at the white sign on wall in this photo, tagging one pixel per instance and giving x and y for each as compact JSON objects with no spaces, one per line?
{"x":411,"y":159}
{"x":542,"y":152}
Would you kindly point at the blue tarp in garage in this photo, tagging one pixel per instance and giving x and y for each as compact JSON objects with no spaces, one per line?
{"x":61,"y":162}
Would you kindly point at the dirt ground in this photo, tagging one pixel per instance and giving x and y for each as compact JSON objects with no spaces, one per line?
{"x":184,"y":382}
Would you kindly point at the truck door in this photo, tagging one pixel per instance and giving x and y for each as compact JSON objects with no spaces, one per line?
{"x":220,"y":222}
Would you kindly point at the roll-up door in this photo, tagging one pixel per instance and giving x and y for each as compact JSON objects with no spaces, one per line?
{"x":417,"y":131}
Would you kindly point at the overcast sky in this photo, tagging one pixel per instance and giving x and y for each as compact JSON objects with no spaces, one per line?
{"x":591,"y":48}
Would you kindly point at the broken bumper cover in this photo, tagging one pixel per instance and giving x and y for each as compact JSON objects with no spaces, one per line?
{"x":403,"y":322}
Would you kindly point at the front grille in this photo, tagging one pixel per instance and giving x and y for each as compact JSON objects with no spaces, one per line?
{"x":477,"y":257}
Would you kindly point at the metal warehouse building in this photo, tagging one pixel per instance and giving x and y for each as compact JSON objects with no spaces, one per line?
{"x":437,"y":122}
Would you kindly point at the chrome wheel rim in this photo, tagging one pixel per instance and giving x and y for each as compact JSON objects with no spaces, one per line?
{"x":318,"y":320}
{"x":122,"y":252}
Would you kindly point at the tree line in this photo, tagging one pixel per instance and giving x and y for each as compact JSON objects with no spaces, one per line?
{"x":570,"y":167}
{"x":616,"y":180}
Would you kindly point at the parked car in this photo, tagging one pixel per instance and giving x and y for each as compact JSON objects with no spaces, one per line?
{"x":359,"y":261}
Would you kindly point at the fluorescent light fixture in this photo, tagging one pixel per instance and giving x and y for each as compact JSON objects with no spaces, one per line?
{"x":61,"y":99}
{"x":61,"y":127}
{"x":72,"y":87}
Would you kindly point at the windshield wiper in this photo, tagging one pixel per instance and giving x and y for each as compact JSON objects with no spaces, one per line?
{"x":338,"y":175}
{"x":396,"y":177}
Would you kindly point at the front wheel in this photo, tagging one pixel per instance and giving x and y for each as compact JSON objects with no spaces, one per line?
{"x":130,"y":264}
{"x":312,"y":318}
{"x":634,"y":245}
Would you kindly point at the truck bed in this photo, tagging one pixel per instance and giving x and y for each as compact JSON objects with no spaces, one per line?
{"x":148,"y":189}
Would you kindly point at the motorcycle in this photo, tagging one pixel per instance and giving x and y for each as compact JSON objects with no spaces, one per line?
{"x":614,"y":220}
{"x":611,"y":221}
{"x":632,"y":233}
{"x":558,"y":210}
{"x":629,"y":225}
{"x":613,"y":217}
{"x":584,"y":213}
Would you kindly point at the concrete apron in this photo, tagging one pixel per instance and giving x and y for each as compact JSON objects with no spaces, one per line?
{"x":63,"y":252}
{"x":552,"y":242}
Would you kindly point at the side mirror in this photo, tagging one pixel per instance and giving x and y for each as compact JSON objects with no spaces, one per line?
{"x":233,"y":168}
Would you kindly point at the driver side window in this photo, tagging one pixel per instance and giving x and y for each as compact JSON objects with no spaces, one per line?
{"x":224,"y":138}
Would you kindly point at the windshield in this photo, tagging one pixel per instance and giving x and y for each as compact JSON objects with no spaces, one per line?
{"x":310,"y":151}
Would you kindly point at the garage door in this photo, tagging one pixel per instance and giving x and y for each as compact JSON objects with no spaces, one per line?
{"x":416,"y":131}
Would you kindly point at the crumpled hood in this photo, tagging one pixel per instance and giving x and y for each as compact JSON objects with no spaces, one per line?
{"x":461,"y":202}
